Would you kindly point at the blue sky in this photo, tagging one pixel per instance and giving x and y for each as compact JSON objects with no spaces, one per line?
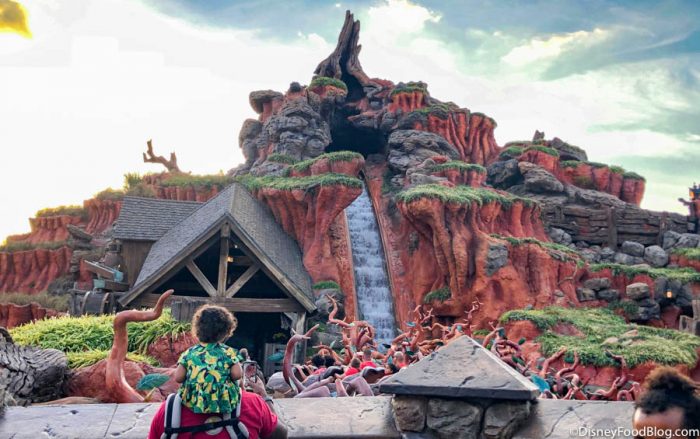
{"x":99,"y":78}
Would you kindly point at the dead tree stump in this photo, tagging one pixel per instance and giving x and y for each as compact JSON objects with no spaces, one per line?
{"x":29,"y":374}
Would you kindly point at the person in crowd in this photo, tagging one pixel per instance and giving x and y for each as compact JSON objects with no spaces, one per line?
{"x":367,"y":359}
{"x":670,"y":403}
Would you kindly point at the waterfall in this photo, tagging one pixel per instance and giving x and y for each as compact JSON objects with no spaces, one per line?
{"x":374,"y":299}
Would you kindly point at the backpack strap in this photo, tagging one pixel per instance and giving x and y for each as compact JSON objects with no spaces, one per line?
{"x":173,"y":408}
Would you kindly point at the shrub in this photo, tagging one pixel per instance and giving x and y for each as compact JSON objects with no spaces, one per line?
{"x":684,"y":275}
{"x":617,"y":169}
{"x":570,"y":163}
{"x":322,"y":81}
{"x":439,"y":110}
{"x":440,"y":295}
{"x":131,"y":180}
{"x":457,"y":165}
{"x":281,"y":158}
{"x":291,"y":183}
{"x":690,"y":253}
{"x":410,"y":87}
{"x":110,"y":194}
{"x":597,"y":165}
{"x":198,"y":181}
{"x":550,"y":151}
{"x":627,"y":307}
{"x":326,"y":285}
{"x":141,"y":190}
{"x":557,"y":251}
{"x":338,"y":156}
{"x":461,"y":195}
{"x":85,"y":333}
{"x":72,"y":210}
{"x":511,"y":152}
{"x":662,"y":346}
{"x":77,"y":360}
{"x":59,"y":303}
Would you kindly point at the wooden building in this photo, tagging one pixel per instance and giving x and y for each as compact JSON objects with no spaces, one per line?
{"x":229,"y":251}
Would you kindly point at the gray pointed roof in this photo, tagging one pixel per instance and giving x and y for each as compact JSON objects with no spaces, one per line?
{"x":252,"y":222}
{"x":462,"y":369}
{"x":148,"y":219}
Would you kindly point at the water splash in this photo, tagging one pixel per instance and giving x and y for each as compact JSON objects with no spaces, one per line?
{"x":374,"y":299}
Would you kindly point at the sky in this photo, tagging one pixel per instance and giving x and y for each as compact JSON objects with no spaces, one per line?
{"x":85,"y":83}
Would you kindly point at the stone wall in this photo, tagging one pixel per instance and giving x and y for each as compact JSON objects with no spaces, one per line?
{"x":614,"y":226}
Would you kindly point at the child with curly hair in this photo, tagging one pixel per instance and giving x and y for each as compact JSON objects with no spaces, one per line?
{"x":209,"y":371}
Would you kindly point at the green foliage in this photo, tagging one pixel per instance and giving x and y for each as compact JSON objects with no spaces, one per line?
{"x":72,"y":210}
{"x":281,"y":158}
{"x":570,"y":163}
{"x":604,"y":330}
{"x":326,"y":285}
{"x":291,"y":183}
{"x":557,"y":251}
{"x":617,"y":169}
{"x":461,"y":195}
{"x":633,"y":176}
{"x":597,"y":165}
{"x":684,"y":275}
{"x":338,"y":156}
{"x":151,"y":381}
{"x":110,"y":194}
{"x":627,"y":307}
{"x":219,"y":181}
{"x":690,"y":253}
{"x":19,"y":246}
{"x":141,"y":190}
{"x":457,"y":165}
{"x":410,"y":87}
{"x":440,"y":110}
{"x":88,"y":358}
{"x":387,"y":187}
{"x":511,"y":152}
{"x":131,"y":180}
{"x":322,"y":81}
{"x":550,"y":151}
{"x":59,"y":303}
{"x":77,"y":334}
{"x":440,"y":295}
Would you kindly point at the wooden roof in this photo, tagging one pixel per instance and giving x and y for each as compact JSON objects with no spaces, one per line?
{"x":251,"y":222}
{"x":148,"y":219}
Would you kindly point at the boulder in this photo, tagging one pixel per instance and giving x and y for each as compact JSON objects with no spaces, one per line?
{"x":607,"y":254}
{"x":590,"y":255}
{"x":597,"y":283}
{"x":632,"y":248}
{"x":609,"y":295}
{"x":538,"y":180}
{"x":503,"y":174}
{"x":670,"y":239}
{"x":638,"y":291}
{"x":655,"y":256}
{"x":624,"y":258}
{"x":648,"y":310}
{"x":559,"y":236}
{"x":585,"y":294}
{"x":496,"y":258}
{"x":454,"y":419}
{"x":410,"y":148}
{"x":688,"y":240}
{"x":502,"y":419}
{"x":568,"y":152}
{"x":409,"y":412}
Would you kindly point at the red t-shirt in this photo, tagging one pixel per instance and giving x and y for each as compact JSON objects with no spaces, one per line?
{"x":351,"y":371}
{"x":367,"y":364}
{"x":255,"y":414}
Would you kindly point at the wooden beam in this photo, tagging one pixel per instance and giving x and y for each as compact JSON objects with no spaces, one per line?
{"x":201,"y":278}
{"x":235,"y":304}
{"x":223,"y":261}
{"x":245,"y":277}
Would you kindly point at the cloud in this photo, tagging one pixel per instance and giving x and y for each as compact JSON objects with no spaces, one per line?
{"x":13,"y":18}
{"x":539,"y":49}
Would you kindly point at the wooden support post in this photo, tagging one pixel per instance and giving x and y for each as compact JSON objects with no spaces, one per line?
{"x":201,"y":278}
{"x":245,"y":277}
{"x":223,"y":261}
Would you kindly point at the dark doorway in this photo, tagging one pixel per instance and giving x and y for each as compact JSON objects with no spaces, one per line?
{"x":255,"y":330}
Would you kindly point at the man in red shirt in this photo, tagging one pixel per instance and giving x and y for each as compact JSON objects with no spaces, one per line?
{"x":256,"y":414}
{"x":367,"y":359}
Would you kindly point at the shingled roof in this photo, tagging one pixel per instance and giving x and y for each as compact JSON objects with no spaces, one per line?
{"x":148,"y":219}
{"x":251,"y":221}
